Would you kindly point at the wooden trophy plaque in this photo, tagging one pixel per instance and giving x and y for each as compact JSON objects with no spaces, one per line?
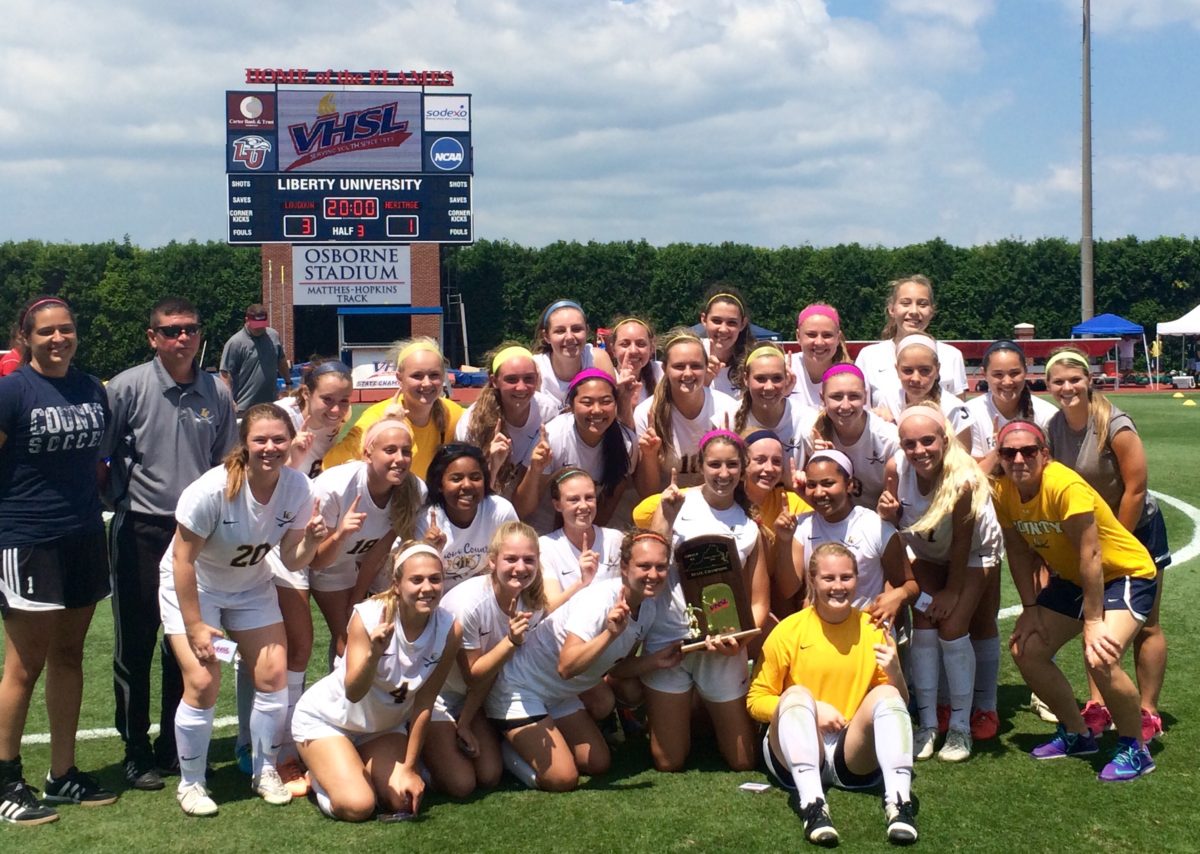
{"x":711,"y":574}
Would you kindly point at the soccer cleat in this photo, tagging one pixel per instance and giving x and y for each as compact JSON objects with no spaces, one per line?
{"x":943,"y":716}
{"x":1066,"y":744}
{"x":985,"y":725}
{"x":818,"y":827}
{"x":957,"y":747}
{"x":194,"y":800}
{"x":19,"y":805}
{"x":901,"y":820}
{"x":923,"y":743}
{"x":245,"y":759}
{"x":1041,"y":709}
{"x":1130,"y":760}
{"x":612,"y":730}
{"x":1096,"y":716}
{"x":141,"y":771}
{"x":293,"y":778}
{"x":1152,"y":726}
{"x":75,"y":787}
{"x":270,"y":788}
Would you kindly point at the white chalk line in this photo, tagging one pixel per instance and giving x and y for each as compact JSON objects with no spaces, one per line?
{"x":1181,"y":556}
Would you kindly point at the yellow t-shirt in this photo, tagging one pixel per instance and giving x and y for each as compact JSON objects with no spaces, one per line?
{"x":1064,"y":494}
{"x":426,"y":440}
{"x":834,"y":661}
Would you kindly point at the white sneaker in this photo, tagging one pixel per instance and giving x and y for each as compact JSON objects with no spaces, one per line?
{"x":957,"y":747}
{"x":194,"y":800}
{"x":1041,"y":709}
{"x":268,"y":786}
{"x":923,"y":742}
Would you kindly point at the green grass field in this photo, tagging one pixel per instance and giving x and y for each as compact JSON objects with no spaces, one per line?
{"x":1000,"y":800}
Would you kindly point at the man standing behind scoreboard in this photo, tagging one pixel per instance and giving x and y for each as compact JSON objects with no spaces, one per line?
{"x":171,"y":422}
{"x":252,"y":359}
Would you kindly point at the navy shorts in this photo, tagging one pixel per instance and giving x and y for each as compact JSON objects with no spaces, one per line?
{"x":1135,"y":595}
{"x":68,"y":572}
{"x":1153,"y":535}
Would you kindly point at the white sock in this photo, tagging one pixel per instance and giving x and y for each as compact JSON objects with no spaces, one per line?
{"x":516,"y":765}
{"x":193,"y":731}
{"x":987,"y":672}
{"x":893,"y":747}
{"x":796,"y":729}
{"x":295,"y":689}
{"x":324,"y":804}
{"x":959,"y":659}
{"x":925,"y":667}
{"x":266,"y":727}
{"x":244,"y":671}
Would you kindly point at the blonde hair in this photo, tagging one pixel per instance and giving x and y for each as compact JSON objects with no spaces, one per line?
{"x":960,"y":474}
{"x":889,"y":326}
{"x":662,"y":405}
{"x":762,"y":351}
{"x":390,"y":597}
{"x":405,"y":500}
{"x":237,"y":458}
{"x":534,"y":596}
{"x":830,"y":549}
{"x":401,"y":350}
{"x":487,"y":413}
{"x":935,"y":391}
{"x":1099,"y":406}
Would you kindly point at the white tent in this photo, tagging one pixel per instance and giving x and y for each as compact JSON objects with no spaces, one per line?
{"x":1189,"y":324}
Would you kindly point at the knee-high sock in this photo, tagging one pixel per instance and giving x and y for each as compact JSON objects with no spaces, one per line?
{"x":295,"y":689}
{"x":893,"y":747}
{"x":324,"y":804}
{"x":925,"y":667}
{"x":266,"y":727}
{"x":987,"y":672}
{"x":244,"y":670}
{"x":516,"y":765}
{"x":193,"y":731}
{"x":800,"y":741}
{"x":959,"y":659}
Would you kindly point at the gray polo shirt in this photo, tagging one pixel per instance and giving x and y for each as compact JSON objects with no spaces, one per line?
{"x":162,"y":435}
{"x":252,"y":362}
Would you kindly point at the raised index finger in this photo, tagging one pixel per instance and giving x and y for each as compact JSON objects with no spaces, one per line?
{"x":354,"y":504}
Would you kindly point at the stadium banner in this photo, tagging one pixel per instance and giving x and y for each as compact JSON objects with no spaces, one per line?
{"x":351,"y":275}
{"x":370,"y":367}
{"x":248,"y":112}
{"x":324,"y":131}
{"x":448,"y":113}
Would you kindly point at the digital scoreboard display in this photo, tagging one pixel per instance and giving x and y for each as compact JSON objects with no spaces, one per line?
{"x":335,"y":166}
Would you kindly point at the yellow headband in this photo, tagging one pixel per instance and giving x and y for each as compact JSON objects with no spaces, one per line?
{"x":623,"y":321}
{"x":724,"y":297}
{"x":415,"y":347}
{"x":513,"y":352}
{"x":766,"y":350}
{"x":682,"y":336}
{"x":1067,"y":356}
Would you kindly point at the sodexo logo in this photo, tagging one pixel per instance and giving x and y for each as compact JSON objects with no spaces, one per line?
{"x":447,"y":153}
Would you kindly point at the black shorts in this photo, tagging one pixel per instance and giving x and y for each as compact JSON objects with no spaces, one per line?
{"x":503,"y":725}
{"x":1153,"y":535}
{"x":68,"y":572}
{"x":834,"y":771}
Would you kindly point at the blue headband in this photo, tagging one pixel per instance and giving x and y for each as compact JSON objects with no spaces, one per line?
{"x":562,"y":303}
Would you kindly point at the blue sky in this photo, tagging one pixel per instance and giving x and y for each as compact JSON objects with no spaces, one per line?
{"x":771,"y":122}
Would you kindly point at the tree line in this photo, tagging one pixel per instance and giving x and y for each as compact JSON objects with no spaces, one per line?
{"x":981,"y":291}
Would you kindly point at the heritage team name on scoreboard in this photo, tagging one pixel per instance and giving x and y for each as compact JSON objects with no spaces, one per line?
{"x":422,"y":208}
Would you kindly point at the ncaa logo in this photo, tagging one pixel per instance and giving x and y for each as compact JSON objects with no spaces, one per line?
{"x":447,"y":153}
{"x":251,"y":151}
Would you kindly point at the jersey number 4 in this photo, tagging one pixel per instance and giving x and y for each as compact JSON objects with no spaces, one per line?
{"x":401,"y":693}
{"x":250,"y":555}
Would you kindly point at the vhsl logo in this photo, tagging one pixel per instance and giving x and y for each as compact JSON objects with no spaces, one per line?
{"x":251,"y":151}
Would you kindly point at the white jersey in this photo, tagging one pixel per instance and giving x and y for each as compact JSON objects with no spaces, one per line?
{"x":864,"y":533}
{"x":957,"y":414}
{"x":869,"y":455}
{"x":806,"y":392}
{"x":238,"y":534}
{"x":525,"y":436}
{"x":336,"y":489}
{"x":465,"y":552}
{"x":684,"y":453}
{"x":696,"y":517}
{"x":533,"y":668}
{"x":986,"y":540}
{"x":988,"y":421}
{"x":473,"y":603}
{"x":552,"y":385}
{"x":401,"y":671}
{"x":324,"y":438}
{"x":791,"y":429}
{"x":560,"y":559}
{"x":721,"y":382}
{"x":878,"y":363}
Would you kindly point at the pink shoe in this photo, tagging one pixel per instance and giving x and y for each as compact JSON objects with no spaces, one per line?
{"x":1152,"y":726}
{"x":1097,"y":718}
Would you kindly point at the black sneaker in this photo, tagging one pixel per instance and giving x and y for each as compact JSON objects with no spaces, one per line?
{"x":19,"y":805}
{"x":818,"y":827}
{"x":901,"y":821}
{"x":75,"y":787}
{"x":141,"y":771}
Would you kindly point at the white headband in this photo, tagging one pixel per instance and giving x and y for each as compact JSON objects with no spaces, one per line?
{"x":418,"y":549}
{"x":919,"y":339}
{"x":836,"y":456}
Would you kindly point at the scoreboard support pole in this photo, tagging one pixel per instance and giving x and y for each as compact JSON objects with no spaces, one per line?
{"x":277,"y":292}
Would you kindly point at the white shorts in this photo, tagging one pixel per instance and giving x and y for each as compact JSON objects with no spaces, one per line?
{"x":333,"y":578}
{"x":283,"y":576}
{"x":307,"y":725}
{"x":241,"y":611}
{"x":518,"y":704}
{"x":718,"y":678}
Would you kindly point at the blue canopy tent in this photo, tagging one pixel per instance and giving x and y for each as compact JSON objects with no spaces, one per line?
{"x":1113,"y":324}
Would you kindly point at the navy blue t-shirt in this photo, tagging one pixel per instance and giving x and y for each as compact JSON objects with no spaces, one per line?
{"x":53,"y":427}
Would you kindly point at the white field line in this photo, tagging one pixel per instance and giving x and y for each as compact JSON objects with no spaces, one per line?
{"x":1181,"y":556}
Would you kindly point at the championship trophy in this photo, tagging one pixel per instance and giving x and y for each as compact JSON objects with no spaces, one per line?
{"x":710,"y":572}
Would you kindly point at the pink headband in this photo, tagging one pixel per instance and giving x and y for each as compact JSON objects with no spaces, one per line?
{"x":918,"y":410}
{"x":728,"y":434}
{"x":591,"y":374}
{"x":842,"y":368}
{"x":1025,"y":426}
{"x":379,"y":426}
{"x":39,"y":304}
{"x":818,"y":309}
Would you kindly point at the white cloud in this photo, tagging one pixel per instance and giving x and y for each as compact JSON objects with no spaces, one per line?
{"x":1120,"y":17}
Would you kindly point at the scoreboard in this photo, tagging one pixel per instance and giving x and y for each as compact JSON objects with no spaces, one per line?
{"x":335,"y":166}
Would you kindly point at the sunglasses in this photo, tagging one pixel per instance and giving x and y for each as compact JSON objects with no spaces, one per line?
{"x":1025,"y":451}
{"x":177,"y":329}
